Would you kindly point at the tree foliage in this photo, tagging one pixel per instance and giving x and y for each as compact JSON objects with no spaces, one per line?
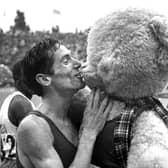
{"x":20,"y":23}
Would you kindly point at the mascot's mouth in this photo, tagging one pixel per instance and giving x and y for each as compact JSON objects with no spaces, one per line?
{"x":92,"y":79}
{"x":90,"y":76}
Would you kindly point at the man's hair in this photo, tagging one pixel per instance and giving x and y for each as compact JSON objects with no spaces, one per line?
{"x":39,"y":59}
{"x":17,"y":72}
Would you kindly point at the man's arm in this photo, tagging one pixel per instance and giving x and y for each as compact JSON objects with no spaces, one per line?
{"x":149,"y":146}
{"x":35,"y":140}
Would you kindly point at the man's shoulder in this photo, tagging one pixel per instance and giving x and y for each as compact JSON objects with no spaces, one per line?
{"x":32,"y":121}
{"x":33,"y":124}
{"x":27,"y":124}
{"x":33,"y":133}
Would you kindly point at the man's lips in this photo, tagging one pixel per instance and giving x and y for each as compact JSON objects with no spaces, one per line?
{"x":79,"y":75}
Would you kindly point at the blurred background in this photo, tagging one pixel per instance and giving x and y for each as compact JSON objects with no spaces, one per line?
{"x":24,"y":22}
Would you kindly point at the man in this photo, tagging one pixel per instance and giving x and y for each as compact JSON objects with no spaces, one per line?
{"x":47,"y":138}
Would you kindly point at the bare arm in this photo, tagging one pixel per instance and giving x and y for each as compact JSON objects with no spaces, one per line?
{"x":41,"y":152}
{"x":149,"y":146}
{"x":35,"y":140}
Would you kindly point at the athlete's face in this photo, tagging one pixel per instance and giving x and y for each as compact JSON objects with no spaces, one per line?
{"x":67,"y":73}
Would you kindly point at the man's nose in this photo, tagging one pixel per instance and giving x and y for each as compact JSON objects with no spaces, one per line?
{"x":84,"y":65}
{"x":77,"y":64}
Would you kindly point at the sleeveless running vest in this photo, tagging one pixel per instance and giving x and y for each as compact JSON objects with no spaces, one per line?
{"x":63,"y":146}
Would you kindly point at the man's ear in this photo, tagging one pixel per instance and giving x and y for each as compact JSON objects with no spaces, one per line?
{"x":43,"y":79}
{"x":159,"y":28}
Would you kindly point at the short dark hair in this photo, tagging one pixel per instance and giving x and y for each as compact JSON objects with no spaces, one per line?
{"x":39,"y":59}
{"x":17,"y":72}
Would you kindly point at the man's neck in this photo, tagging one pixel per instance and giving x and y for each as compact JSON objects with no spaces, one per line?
{"x":56,"y":105}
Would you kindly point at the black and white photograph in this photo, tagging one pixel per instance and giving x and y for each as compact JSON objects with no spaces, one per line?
{"x":83,"y":84}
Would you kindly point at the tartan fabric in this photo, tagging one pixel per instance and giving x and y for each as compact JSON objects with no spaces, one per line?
{"x":122,"y":131}
{"x":7,"y":163}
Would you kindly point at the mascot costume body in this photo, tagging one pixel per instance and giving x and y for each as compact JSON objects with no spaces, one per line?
{"x":128,"y":59}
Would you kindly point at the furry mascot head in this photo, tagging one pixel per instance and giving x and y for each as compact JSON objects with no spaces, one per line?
{"x":128,"y":54}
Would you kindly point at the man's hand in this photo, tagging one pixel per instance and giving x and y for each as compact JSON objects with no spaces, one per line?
{"x":96,"y":112}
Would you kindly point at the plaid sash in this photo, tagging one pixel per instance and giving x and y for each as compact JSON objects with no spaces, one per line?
{"x":122,"y":131}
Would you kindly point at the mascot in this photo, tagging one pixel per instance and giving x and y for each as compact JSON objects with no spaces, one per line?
{"x":128,"y":60}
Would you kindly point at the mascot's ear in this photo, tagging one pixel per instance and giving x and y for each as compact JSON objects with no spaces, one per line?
{"x":159,"y":27}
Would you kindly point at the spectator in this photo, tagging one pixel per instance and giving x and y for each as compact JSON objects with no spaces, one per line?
{"x":13,"y":110}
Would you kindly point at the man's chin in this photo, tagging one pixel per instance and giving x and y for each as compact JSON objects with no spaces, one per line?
{"x":82,"y":85}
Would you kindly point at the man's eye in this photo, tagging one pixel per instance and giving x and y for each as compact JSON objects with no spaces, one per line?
{"x":66,"y":60}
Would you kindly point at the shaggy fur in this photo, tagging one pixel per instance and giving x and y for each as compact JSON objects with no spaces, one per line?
{"x":128,"y":58}
{"x":149,"y":146}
